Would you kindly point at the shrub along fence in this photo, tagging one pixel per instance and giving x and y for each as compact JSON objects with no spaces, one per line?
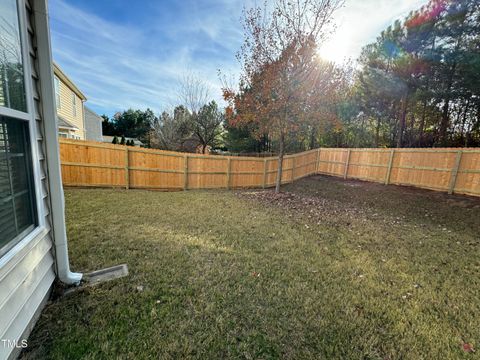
{"x":107,"y":165}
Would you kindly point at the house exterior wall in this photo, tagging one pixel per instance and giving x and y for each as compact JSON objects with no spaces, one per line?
{"x":66,"y":108}
{"x":93,"y":125}
{"x":27,"y":271}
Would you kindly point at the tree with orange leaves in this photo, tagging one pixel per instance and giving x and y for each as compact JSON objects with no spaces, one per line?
{"x":280,"y":86}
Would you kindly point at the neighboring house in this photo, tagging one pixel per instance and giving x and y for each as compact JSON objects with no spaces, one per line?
{"x":109,"y":139}
{"x":93,"y":125}
{"x":33,"y":244}
{"x":192,"y":145}
{"x":70,"y":108}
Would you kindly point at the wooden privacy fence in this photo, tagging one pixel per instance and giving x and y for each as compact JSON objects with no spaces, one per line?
{"x":107,"y":165}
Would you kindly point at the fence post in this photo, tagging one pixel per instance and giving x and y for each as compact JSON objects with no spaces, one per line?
{"x":347,"y":162}
{"x":229,"y":164}
{"x":453,"y":177}
{"x":185,"y":172}
{"x":127,"y":175}
{"x":264,"y":185}
{"x":389,"y":169}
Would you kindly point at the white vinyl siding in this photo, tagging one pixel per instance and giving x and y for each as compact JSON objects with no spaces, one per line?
{"x":27,"y":271}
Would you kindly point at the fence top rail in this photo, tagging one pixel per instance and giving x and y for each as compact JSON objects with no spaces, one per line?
{"x":258,"y":159}
{"x":418,"y":150}
{"x":92,"y":144}
{"x":174,"y":153}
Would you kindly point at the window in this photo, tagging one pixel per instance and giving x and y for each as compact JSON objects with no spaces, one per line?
{"x":63,"y":135}
{"x":17,"y":210}
{"x":74,"y":104}
{"x":12,"y":81}
{"x":57,"y":92}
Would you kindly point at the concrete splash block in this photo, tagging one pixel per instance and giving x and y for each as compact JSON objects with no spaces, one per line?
{"x":107,"y":274}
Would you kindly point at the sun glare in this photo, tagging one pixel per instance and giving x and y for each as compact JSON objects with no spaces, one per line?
{"x":337,"y":49}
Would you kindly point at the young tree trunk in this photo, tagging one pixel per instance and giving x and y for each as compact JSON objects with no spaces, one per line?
{"x":445,"y":121}
{"x":204,"y":147}
{"x":464,"y":122}
{"x":377,"y":133}
{"x":421,"y":130}
{"x":280,"y":163}
{"x":403,"y":119}
{"x":312,"y":139}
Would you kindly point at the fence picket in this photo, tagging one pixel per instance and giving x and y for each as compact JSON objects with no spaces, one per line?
{"x":127,"y":170}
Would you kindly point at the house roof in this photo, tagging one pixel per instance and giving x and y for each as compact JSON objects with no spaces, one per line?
{"x":65,"y":124}
{"x":62,"y":76}
{"x":93,"y":113}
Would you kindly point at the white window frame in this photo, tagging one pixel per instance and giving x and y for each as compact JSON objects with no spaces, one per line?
{"x":63,"y":134}
{"x":22,"y":240}
{"x":56,"y":82}
{"x":74,"y":104}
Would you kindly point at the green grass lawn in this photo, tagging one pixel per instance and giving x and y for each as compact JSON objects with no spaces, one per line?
{"x":328,"y":269}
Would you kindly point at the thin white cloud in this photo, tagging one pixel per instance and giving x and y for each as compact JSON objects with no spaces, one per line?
{"x":119,"y":66}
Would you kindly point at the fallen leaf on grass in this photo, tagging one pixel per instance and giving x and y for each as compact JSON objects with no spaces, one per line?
{"x":468,"y":347}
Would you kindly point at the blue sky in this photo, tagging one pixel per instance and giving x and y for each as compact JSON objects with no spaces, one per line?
{"x":126,"y":54}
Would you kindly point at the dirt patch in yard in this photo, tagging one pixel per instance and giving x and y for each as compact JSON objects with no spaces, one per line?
{"x":332,"y":201}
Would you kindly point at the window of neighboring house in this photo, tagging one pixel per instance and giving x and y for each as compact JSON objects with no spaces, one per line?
{"x":74,"y":104}
{"x":18,"y":212}
{"x":63,"y":134}
{"x":57,"y":92}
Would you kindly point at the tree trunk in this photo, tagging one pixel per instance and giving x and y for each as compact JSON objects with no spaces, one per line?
{"x":421,"y":130}
{"x":377,"y":133}
{"x":312,"y":139}
{"x":464,"y":122}
{"x":411,"y":130}
{"x":280,"y":163}
{"x":445,"y":122}
{"x":204,"y":147}
{"x":403,"y":119}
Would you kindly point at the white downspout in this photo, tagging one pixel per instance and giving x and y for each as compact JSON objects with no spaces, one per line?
{"x":56,"y":196}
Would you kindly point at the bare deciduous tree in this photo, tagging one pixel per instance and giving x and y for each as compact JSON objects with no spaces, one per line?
{"x":193,"y":92}
{"x":170,"y":132}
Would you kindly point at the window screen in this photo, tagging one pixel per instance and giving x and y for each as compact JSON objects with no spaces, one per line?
{"x":17,"y":210}
{"x":12,"y":82}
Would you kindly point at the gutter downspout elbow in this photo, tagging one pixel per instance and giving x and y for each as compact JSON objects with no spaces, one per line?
{"x":61,"y":245}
